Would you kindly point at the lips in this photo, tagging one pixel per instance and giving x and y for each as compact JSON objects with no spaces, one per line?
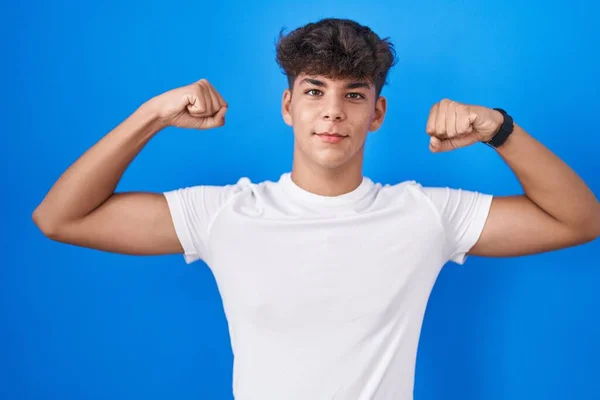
{"x":330,"y":134}
{"x":330,"y":137}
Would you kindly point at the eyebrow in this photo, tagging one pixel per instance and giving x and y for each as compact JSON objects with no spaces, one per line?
{"x":351,"y":85}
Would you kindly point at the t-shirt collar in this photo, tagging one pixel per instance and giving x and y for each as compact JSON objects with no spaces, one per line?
{"x":299,"y":194}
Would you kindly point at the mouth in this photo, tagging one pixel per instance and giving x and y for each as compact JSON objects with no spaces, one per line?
{"x":331,"y":137}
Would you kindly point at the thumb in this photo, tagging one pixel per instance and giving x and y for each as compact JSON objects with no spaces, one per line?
{"x":437,"y":145}
{"x":472,"y":117}
{"x":218,"y":119}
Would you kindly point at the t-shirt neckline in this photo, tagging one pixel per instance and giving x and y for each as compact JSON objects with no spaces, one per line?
{"x":302,"y":195}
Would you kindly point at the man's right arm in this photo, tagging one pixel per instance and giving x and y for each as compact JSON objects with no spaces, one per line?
{"x":82,"y":208}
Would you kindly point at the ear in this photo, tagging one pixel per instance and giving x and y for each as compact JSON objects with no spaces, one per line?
{"x":380,"y":109}
{"x":285,"y":106}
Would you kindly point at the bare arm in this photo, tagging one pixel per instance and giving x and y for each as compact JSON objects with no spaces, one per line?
{"x":82,"y":208}
{"x":558,"y":209}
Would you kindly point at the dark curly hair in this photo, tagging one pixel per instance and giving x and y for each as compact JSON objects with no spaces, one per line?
{"x":337,"y":49}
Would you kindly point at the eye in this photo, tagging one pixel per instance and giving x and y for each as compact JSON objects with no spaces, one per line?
{"x":360,"y":96}
{"x":308,"y":92}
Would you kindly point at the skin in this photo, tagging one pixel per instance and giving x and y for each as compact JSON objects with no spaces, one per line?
{"x":556,"y":210}
{"x":320,"y":104}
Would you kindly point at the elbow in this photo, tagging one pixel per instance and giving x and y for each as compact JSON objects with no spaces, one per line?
{"x":593,"y":229}
{"x":595,"y":233}
{"x":590,"y":237}
{"x":44,"y":224}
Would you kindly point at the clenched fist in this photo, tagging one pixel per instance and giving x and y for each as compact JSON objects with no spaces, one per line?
{"x":196,"y":106}
{"x":452,"y":125}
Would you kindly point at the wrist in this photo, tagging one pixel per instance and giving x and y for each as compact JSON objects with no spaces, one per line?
{"x":513,"y":142}
{"x":504,"y":130}
{"x":143,"y":124}
{"x":149,"y":114}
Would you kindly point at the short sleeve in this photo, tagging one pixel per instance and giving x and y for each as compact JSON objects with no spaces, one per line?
{"x":463,"y":215}
{"x":193,"y":210}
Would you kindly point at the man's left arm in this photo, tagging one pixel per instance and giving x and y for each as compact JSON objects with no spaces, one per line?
{"x":557,"y":209}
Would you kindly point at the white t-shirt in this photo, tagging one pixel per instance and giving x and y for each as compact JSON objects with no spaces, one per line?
{"x":325,"y":296}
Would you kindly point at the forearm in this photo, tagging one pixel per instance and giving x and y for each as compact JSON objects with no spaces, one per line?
{"x":549,"y":182}
{"x":92,"y":179}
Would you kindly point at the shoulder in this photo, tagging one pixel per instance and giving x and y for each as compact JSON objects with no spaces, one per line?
{"x":403,"y":189}
{"x":220,"y":190}
{"x":437,"y":194}
{"x":442,"y":200}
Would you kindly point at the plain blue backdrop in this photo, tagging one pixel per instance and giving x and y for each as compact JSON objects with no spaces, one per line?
{"x":78,"y":323}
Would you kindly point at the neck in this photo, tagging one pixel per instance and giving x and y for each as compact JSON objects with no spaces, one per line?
{"x":327,"y":181}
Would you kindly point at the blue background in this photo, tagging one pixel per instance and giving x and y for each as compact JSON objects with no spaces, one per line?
{"x":78,"y":323}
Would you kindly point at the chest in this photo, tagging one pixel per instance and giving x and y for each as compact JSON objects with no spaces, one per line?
{"x":289,"y":273}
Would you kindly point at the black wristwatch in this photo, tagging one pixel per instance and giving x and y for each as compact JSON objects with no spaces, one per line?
{"x":505,"y":130}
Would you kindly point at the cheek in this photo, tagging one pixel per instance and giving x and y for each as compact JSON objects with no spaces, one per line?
{"x":362,"y":118}
{"x":367,"y":114}
{"x":306,"y":114}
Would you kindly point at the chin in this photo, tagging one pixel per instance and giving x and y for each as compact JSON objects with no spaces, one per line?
{"x":331,"y":163}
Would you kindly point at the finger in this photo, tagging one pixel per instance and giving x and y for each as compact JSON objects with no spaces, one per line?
{"x":195,"y":103}
{"x":218,"y":119}
{"x":209,"y":110}
{"x":189,"y":121}
{"x":437,"y":145}
{"x":440,"y":120}
{"x":451,"y":120}
{"x":430,"y":127}
{"x":214,"y":98}
{"x":472,"y":117}
{"x":222,"y":102}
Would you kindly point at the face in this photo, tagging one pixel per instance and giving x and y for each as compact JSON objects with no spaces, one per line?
{"x":345,"y":108}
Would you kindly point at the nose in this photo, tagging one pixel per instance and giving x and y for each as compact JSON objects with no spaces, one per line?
{"x":332,"y":110}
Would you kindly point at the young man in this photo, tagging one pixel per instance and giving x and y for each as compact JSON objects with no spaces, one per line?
{"x":324,"y":274}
